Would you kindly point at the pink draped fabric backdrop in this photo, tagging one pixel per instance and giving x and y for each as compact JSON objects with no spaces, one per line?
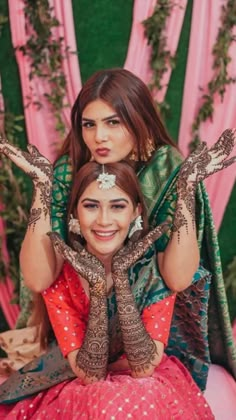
{"x":204,"y":29}
{"x":40,"y":123}
{"x":138,"y":55}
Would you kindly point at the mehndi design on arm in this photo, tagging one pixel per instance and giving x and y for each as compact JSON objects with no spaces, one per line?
{"x":140,"y":349}
{"x":40,"y":171}
{"x":200,"y":164}
{"x":92,"y":357}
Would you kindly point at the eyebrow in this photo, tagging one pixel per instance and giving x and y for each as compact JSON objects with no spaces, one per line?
{"x":103,"y":119}
{"x":115,"y":200}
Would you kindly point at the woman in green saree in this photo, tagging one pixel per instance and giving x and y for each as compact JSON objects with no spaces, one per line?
{"x":114,"y":118}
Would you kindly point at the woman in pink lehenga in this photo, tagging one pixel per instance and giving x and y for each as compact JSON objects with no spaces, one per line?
{"x":112,"y":331}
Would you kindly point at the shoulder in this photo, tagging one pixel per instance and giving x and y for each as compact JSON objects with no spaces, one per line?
{"x":168,"y":153}
{"x":163,"y":165}
{"x":63,"y":169}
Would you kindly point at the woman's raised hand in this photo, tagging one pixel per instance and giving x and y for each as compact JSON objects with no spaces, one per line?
{"x":84,"y":263}
{"x":130,"y":253}
{"x":32,"y":162}
{"x":204,"y":162}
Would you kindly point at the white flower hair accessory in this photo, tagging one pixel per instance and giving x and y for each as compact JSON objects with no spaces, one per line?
{"x":74,"y":225}
{"x":135,"y":226}
{"x":106,"y":180}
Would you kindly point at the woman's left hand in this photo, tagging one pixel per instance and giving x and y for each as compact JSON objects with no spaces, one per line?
{"x":130,"y":253}
{"x":204,"y":162}
{"x":84,"y":263}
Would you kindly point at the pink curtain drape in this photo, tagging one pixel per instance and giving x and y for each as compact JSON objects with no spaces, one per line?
{"x":204,"y":29}
{"x":40,"y":123}
{"x":10,"y":311}
{"x":138,"y":55}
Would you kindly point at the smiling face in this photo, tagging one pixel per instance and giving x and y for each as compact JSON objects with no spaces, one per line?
{"x":105,"y":217}
{"x":104,"y":133}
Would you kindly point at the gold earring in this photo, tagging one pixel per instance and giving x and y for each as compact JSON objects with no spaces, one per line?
{"x":133,"y":155}
{"x":149,"y":149}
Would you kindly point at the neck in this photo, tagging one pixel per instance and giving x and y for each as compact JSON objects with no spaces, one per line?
{"x":106,"y":261}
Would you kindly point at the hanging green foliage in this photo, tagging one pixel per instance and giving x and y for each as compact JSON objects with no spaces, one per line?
{"x":14,"y":202}
{"x":221,"y":77}
{"x":46,"y":56}
{"x":161,"y":57}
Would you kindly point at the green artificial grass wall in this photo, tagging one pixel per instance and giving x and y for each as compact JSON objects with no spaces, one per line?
{"x":102,"y":33}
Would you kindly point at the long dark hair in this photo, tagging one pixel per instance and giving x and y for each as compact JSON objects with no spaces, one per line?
{"x":126,"y":180}
{"x":133,"y":103}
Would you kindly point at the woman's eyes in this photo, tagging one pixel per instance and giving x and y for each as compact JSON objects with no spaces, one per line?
{"x":113,"y":122}
{"x":87,"y":124}
{"x":113,"y":206}
{"x":90,"y":124}
{"x":90,"y":206}
{"x":118,"y":206}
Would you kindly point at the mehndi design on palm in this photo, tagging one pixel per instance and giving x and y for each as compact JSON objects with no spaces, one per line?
{"x":84,"y":263}
{"x":204,"y":162}
{"x":140,"y":349}
{"x":200,"y":164}
{"x":92,"y":357}
{"x":32,"y":162}
{"x":131,"y":252}
{"x":40,"y":171}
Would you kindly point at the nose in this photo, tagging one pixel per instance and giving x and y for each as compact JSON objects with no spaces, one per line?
{"x":101,"y":134}
{"x":103,"y":218}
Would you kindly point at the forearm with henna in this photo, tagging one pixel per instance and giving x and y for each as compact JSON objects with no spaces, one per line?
{"x":41,"y":204}
{"x":200,"y":164}
{"x":92,"y":357}
{"x":139,"y":347}
{"x":185,"y":208}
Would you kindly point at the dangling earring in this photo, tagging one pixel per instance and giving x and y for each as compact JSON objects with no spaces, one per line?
{"x":135,"y":226}
{"x":149,"y":149}
{"x":74,"y":226}
{"x":134,"y":155}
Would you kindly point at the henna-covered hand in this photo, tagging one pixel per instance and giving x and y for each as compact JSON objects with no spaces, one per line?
{"x":40,"y":171}
{"x":140,"y":349}
{"x":84,"y":263}
{"x":200,"y":164}
{"x":204,"y":162}
{"x":131,"y":252}
{"x":32,"y":162}
{"x":92,"y":357}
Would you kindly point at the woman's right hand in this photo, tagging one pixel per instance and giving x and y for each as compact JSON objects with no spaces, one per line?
{"x":32,"y":162}
{"x":84,"y":263}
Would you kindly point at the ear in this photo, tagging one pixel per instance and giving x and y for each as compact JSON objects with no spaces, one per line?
{"x":137,"y":211}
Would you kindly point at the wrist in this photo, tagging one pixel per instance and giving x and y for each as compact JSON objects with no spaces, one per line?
{"x":98,"y":289}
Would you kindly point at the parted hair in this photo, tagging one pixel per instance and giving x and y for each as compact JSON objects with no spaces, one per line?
{"x":131,"y":99}
{"x":126,"y":180}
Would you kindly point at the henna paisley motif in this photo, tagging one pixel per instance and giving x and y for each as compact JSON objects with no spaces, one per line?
{"x":200,"y":164}
{"x":92,"y":357}
{"x":40,"y":171}
{"x":140,"y":349}
{"x":84,"y":263}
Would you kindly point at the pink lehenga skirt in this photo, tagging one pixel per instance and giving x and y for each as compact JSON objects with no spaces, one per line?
{"x":170,"y":393}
